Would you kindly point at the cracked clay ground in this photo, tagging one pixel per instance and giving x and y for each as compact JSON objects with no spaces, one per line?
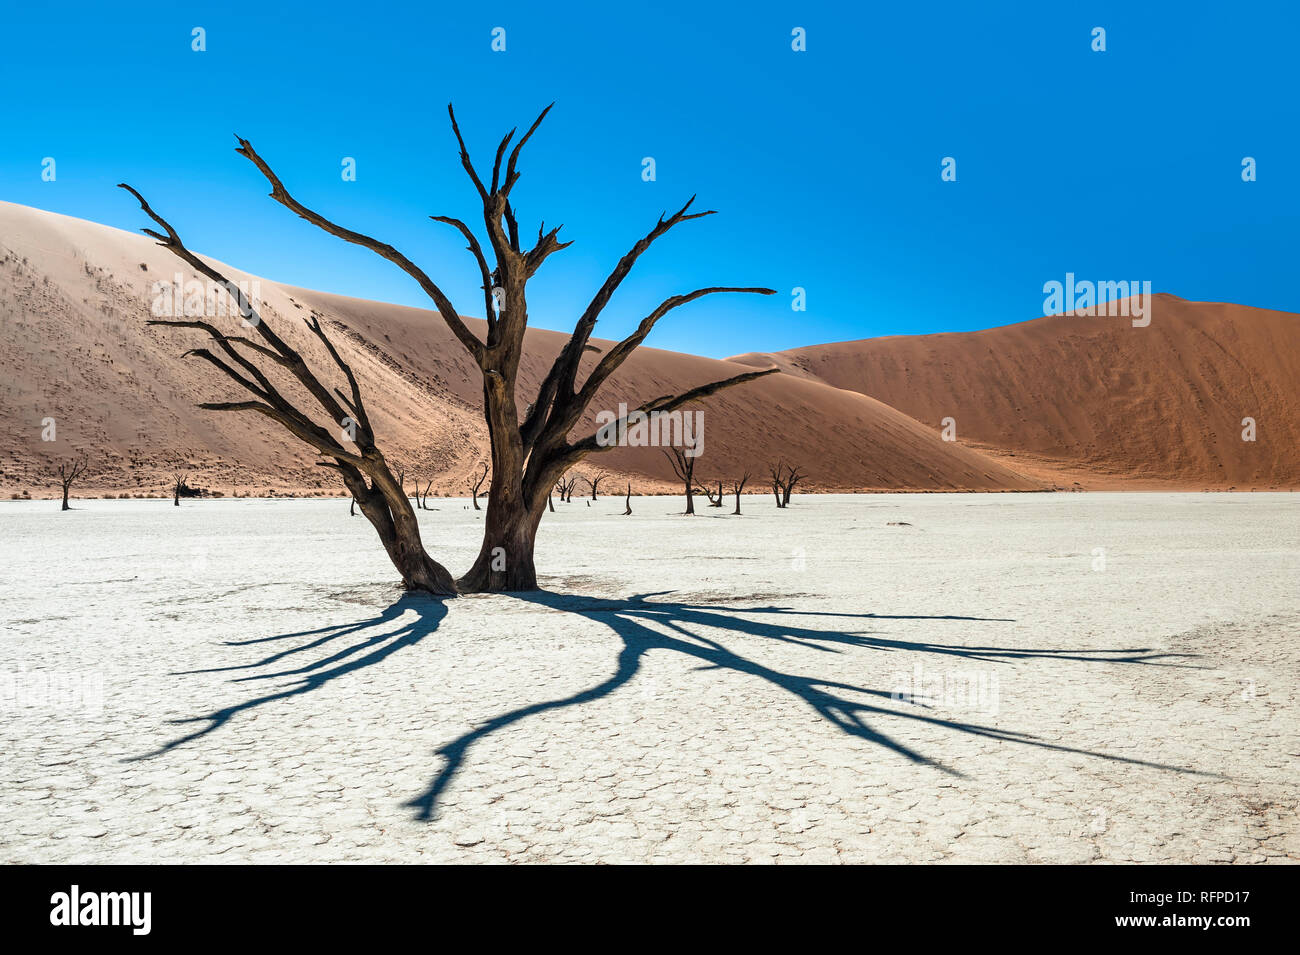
{"x":889,"y":678}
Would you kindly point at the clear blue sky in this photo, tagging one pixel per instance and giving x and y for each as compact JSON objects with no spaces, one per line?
{"x":824,"y":165}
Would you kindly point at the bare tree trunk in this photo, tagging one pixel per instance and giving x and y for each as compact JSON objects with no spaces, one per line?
{"x":627,"y":503}
{"x":352,"y":509}
{"x":399,"y":531}
{"x":505,"y":559}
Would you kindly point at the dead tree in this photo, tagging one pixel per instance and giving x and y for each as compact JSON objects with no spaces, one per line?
{"x":178,"y":486}
{"x":528,"y":453}
{"x":684,"y":467}
{"x":69,"y":472}
{"x":715,"y":500}
{"x":792,"y":476}
{"x":594,"y":482}
{"x":776,"y":475}
{"x":784,"y":477}
{"x":424,"y":501}
{"x":566,"y":486}
{"x":627,"y":503}
{"x":737,"y":488}
{"x":476,"y":483}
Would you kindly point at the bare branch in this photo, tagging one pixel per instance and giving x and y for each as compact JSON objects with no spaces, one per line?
{"x":669,"y":402}
{"x":292,"y":360}
{"x":620,"y":352}
{"x":464,"y":156}
{"x":560,"y":383}
{"x":511,"y":176}
{"x":445,"y":308}
{"x":477,"y":250}
{"x":356,"y":405}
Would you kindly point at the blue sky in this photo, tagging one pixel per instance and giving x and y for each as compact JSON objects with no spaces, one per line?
{"x":824,"y":164}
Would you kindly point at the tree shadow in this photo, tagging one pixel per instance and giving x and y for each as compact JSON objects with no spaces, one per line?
{"x":377,"y":643}
{"x":644,"y":624}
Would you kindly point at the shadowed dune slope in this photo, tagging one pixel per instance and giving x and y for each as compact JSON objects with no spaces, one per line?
{"x":1095,"y":400}
{"x":74,"y":347}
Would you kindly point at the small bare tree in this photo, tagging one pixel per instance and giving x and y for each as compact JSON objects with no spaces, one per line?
{"x":424,"y":501}
{"x":792,"y":477}
{"x":594,"y":482}
{"x":178,"y":487}
{"x":627,"y":503}
{"x":737,"y":488}
{"x":567,"y":486}
{"x":69,"y":472}
{"x":684,"y":467}
{"x":776,"y":475}
{"x":476,"y":483}
{"x":715,"y":499}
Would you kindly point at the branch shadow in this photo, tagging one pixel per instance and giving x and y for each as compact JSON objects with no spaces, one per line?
{"x":375,"y":645}
{"x":645,"y":624}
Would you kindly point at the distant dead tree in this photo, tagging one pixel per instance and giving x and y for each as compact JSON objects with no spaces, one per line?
{"x":566,"y":486}
{"x":715,"y":500}
{"x":737,"y":488}
{"x":178,"y":485}
{"x":594,"y":481}
{"x":627,"y":503}
{"x":529,"y":453}
{"x":792,"y":476}
{"x":476,"y":483}
{"x":684,"y":467}
{"x":69,"y":472}
{"x":352,"y":508}
{"x":784,"y":477}
{"x":776,"y":475}
{"x":424,"y":501}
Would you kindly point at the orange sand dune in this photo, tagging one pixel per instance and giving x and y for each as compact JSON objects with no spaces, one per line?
{"x":74,"y":298}
{"x":1095,"y":400}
